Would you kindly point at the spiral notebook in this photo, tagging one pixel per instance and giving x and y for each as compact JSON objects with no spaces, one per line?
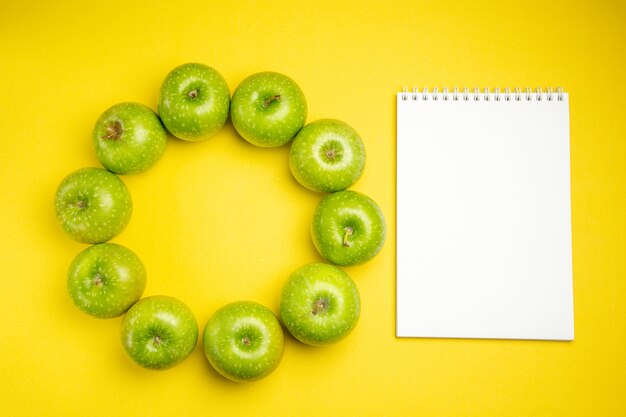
{"x":484,"y":247}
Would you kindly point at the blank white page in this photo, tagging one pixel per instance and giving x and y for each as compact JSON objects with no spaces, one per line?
{"x":483,"y":216}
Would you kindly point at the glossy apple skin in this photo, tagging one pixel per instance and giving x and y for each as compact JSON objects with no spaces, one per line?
{"x":268,"y":109}
{"x":159,"y":332}
{"x":194,"y":101}
{"x":327,"y":155}
{"x":243,"y":341}
{"x":348,"y":228}
{"x":129,"y":138}
{"x":105,"y":279}
{"x":320,"y":304}
{"x":92,"y":205}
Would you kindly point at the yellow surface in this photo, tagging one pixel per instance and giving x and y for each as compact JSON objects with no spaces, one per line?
{"x":221,"y":220}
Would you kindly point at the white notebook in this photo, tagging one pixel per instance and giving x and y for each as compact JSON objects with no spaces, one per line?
{"x":484,"y":247}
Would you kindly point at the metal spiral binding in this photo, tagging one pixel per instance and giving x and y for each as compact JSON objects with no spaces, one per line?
{"x":486,"y":94}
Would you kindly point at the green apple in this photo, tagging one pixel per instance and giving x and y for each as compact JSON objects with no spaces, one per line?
{"x":268,"y":109}
{"x":159,"y":332}
{"x":327,"y":156}
{"x":243,"y":341}
{"x":129,"y":138}
{"x":92,"y":205}
{"x":320,"y":304}
{"x":193,"y":101}
{"x":348,"y":228}
{"x":105,"y":279}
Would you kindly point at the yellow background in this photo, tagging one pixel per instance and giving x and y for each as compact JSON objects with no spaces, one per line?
{"x":222,"y":220}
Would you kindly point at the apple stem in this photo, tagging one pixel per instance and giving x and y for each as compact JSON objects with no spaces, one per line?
{"x":319,"y":305}
{"x":113,"y":130}
{"x":97,"y":281}
{"x":193,"y":93}
{"x":346,"y":236}
{"x":270,"y":100}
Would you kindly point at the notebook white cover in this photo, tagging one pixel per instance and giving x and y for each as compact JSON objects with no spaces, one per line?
{"x":483,"y":216}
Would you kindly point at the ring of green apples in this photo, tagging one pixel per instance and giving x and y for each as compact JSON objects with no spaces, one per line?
{"x":243,"y":340}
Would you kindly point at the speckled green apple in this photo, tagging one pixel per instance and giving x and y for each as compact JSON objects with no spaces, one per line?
{"x":327,"y":155}
{"x":129,"y":138}
{"x":320,"y":304}
{"x":243,"y":341}
{"x":105,"y":279}
{"x":268,"y":109}
{"x":159,"y":332}
{"x":348,"y":228}
{"x":193,"y":101}
{"x":92,"y":205}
